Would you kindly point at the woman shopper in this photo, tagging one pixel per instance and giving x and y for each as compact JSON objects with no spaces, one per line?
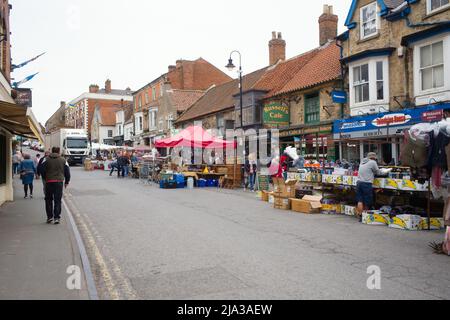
{"x":17,"y":158}
{"x":27,"y":173}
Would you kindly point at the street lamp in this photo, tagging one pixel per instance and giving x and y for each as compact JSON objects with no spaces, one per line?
{"x":230,"y":66}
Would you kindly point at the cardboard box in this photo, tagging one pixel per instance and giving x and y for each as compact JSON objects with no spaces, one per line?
{"x":379,"y":183}
{"x":393,"y":184}
{"x":284,"y":189}
{"x":375,"y":218}
{"x":307,"y":205}
{"x":265,"y":195}
{"x":350,"y":211}
{"x":436,"y":224}
{"x":347,"y":180}
{"x":271,"y":198}
{"x":405,"y":222}
{"x":282,"y":203}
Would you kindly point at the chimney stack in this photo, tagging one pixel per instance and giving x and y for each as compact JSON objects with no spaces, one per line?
{"x":277,"y":48}
{"x":108,"y":88}
{"x":62,"y":104}
{"x":172,"y":68}
{"x":93,"y":88}
{"x":328,"y":25}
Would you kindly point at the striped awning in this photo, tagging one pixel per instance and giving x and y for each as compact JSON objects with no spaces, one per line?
{"x":19,"y":120}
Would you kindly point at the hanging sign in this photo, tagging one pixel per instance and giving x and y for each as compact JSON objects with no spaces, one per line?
{"x":339,"y":96}
{"x":276,"y":114}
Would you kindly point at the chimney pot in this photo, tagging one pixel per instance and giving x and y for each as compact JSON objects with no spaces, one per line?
{"x":93,"y":88}
{"x":328,"y":25}
{"x":277,"y":48}
{"x":108,"y":88}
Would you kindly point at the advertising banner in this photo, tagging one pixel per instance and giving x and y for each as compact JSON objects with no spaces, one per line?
{"x":387,"y":123}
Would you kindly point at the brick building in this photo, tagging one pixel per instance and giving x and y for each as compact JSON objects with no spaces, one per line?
{"x":158,"y":104}
{"x":80,"y":111}
{"x":15,"y":120}
{"x":292,"y":95}
{"x":396,"y":56}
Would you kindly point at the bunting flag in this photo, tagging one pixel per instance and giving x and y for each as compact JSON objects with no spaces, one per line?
{"x":17,"y":84}
{"x":13,"y":67}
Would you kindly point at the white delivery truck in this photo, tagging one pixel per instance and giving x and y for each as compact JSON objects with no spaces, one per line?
{"x":73,"y":143}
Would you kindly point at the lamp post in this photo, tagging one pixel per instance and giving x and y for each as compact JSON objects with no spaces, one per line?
{"x":230,"y":66}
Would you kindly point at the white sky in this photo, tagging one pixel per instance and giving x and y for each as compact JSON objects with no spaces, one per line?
{"x":134,"y":41}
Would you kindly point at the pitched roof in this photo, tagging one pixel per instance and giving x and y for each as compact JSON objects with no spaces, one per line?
{"x":108,"y":115}
{"x":220,"y":97}
{"x":183,"y":99}
{"x":320,"y":66}
{"x":279,"y":75}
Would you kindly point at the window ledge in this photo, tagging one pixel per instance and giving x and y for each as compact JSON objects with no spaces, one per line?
{"x":434,"y":13}
{"x":368,"y":38}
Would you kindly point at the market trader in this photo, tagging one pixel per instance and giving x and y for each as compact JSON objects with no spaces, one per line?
{"x":366,"y":175}
{"x":56,"y":173}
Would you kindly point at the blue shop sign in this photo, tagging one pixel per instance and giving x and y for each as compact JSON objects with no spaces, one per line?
{"x":380,"y":124}
{"x":339,"y":96}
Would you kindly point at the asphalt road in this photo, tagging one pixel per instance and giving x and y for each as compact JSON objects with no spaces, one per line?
{"x":147,"y":243}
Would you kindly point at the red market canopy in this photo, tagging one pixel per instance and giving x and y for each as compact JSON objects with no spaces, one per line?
{"x":195,"y":137}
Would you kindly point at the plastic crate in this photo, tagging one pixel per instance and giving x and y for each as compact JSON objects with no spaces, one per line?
{"x":201,"y":183}
{"x":181,"y":185}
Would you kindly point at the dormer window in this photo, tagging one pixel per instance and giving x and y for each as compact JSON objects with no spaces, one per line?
{"x":369,"y":20}
{"x":436,"y":5}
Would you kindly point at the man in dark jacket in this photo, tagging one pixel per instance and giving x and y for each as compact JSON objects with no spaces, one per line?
{"x":56,"y":173}
{"x":40,"y":168}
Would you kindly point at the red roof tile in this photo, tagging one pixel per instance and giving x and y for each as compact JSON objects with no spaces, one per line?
{"x":323,"y":67}
{"x":183,"y":99}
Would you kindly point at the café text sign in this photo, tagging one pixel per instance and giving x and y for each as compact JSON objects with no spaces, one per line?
{"x":276,"y":114}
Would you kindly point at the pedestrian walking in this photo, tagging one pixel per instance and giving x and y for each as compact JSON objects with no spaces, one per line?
{"x":56,"y":173}
{"x":27,"y":171}
{"x":40,"y":168}
{"x":251,"y":169}
{"x":16,"y":160}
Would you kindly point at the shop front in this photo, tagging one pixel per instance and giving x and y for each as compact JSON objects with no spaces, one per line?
{"x":381,"y":133}
{"x":314,"y":142}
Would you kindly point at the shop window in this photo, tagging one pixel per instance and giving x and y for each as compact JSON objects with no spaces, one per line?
{"x":432,"y":66}
{"x":3,"y":155}
{"x":369,"y":20}
{"x":436,"y":5}
{"x":312,"y":109}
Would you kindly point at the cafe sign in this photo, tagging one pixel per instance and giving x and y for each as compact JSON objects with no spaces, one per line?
{"x":276,"y":114}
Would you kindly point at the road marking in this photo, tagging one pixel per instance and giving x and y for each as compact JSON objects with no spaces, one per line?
{"x":106,"y":275}
{"x":91,"y":234}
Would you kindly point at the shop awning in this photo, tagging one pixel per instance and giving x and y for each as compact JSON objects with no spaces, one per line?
{"x":19,"y":120}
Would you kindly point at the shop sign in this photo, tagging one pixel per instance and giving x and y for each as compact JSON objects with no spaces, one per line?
{"x":387,"y":124}
{"x":433,"y":116}
{"x":392,"y":120}
{"x":276,"y":114}
{"x":339,"y":96}
{"x":24,"y":97}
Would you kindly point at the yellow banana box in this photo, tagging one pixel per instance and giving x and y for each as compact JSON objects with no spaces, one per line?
{"x":379,"y":183}
{"x":393,"y":184}
{"x":405,"y":222}
{"x":347,"y":180}
{"x":375,"y":218}
{"x":436,"y":224}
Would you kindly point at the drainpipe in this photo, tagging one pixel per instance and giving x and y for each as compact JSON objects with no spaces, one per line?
{"x":342,"y":74}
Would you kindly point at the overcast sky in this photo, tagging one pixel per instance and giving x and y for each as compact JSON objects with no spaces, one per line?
{"x":132,"y":42}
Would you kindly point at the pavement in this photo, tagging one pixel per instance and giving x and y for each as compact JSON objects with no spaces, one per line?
{"x":148,"y":243}
{"x":35,"y":256}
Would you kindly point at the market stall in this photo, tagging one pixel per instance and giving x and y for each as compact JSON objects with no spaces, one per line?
{"x":196,"y":139}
